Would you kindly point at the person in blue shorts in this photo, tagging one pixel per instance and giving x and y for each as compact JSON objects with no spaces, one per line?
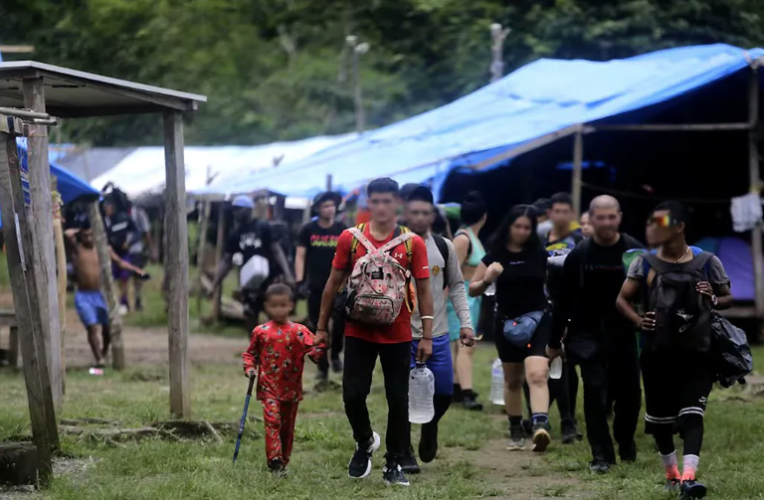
{"x":88,"y":300}
{"x":446,"y":283}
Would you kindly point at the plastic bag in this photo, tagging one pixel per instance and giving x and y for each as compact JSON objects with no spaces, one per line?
{"x":730,"y":351}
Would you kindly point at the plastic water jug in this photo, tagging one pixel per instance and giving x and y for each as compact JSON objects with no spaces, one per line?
{"x":422,"y":387}
{"x":556,"y":368}
{"x":497,"y":392}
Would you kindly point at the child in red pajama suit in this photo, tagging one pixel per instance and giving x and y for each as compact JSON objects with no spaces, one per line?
{"x":276,"y":357}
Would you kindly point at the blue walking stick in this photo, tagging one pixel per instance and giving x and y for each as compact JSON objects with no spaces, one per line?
{"x":244,"y":418}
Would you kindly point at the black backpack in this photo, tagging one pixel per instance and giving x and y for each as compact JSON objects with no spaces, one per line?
{"x":683,"y":315}
{"x":732,"y":357}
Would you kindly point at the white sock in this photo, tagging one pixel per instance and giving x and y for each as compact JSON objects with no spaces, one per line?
{"x":669,"y":460}
{"x":690,"y":464}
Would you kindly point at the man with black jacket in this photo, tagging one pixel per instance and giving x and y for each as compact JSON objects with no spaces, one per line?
{"x":599,"y":339}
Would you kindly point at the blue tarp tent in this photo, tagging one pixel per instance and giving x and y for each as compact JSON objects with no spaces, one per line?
{"x":70,"y":186}
{"x":545,"y":98}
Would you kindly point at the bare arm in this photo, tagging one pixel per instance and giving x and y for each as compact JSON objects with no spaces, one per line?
{"x":627,"y":295}
{"x":300,"y":263}
{"x":71,"y":238}
{"x":724,"y":297}
{"x":224,"y":266}
{"x":124,"y":264}
{"x":425,"y":304}
{"x":461,"y":246}
{"x":336,"y":278}
{"x":276,"y":249}
{"x":457,"y":291}
{"x":477,"y":284}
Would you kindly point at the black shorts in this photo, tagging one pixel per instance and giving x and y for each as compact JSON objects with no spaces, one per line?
{"x":509,"y":353}
{"x":677,"y":385}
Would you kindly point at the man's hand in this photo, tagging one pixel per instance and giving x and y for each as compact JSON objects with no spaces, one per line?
{"x":467,"y":337}
{"x":705,"y":288}
{"x":322,"y":337}
{"x":553,"y":353}
{"x":251,"y":373}
{"x":649,"y":322}
{"x":424,"y":350}
{"x":493,"y":272}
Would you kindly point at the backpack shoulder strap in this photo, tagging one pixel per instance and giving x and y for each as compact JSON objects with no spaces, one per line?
{"x":701,"y":263}
{"x":656,"y":263}
{"x":358,"y":237}
{"x":400,"y":235}
{"x":444,"y":251}
{"x":583,"y":260}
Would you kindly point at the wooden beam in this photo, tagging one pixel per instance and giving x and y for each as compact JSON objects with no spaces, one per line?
{"x":58,"y":234}
{"x":576,"y":172}
{"x":204,"y":219}
{"x":755,"y":185}
{"x":177,"y":265}
{"x":42,"y":215}
{"x":17,"y":49}
{"x":220,"y":242}
{"x":108,"y":288}
{"x":669,"y":127}
{"x":13,"y":349}
{"x":19,"y":240}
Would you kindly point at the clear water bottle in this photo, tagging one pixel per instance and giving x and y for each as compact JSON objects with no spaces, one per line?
{"x":556,"y":368}
{"x":491,"y":290}
{"x":497,"y":392}
{"x":422,"y":387}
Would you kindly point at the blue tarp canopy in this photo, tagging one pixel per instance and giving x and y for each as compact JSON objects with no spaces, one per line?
{"x":546,"y":98}
{"x":68,"y":185}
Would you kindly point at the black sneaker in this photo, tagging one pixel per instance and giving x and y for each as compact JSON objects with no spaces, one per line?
{"x":541,"y":437}
{"x":393,"y":475}
{"x":692,"y":489}
{"x":138,"y":305}
{"x":569,"y":433}
{"x":672,"y":485}
{"x":470,"y":401}
{"x":322,"y":375}
{"x":337,"y":365}
{"x":408,"y":463}
{"x":360,"y":465}
{"x":517,"y":438}
{"x":428,"y":442}
{"x":275,"y":466}
{"x":599,"y":466}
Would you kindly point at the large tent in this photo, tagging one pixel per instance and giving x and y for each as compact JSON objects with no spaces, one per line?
{"x":529,"y":108}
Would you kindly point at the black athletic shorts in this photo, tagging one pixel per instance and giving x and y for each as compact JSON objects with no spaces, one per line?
{"x":509,"y":353}
{"x":676,"y":385}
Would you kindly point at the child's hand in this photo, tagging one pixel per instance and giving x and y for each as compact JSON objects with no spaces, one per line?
{"x":250,"y":373}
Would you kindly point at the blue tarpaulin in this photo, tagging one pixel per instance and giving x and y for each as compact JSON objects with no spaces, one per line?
{"x":68,"y":185}
{"x":541,"y":98}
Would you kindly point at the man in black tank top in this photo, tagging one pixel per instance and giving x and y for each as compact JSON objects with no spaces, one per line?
{"x":679,"y":286}
{"x":599,"y":339}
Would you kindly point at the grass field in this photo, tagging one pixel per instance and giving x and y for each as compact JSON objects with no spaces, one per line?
{"x":472,"y":462}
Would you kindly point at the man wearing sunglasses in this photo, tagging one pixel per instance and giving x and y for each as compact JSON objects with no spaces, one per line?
{"x":599,"y":339}
{"x":681,"y":285}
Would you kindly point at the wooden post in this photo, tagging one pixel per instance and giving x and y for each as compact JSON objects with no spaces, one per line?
{"x":42,"y":215}
{"x":13,"y":342}
{"x":58,"y":233}
{"x":576,"y":172}
{"x":19,"y":241}
{"x":108,"y":288}
{"x":329,"y":182}
{"x":202,"y":244}
{"x":220,"y":242}
{"x":755,"y":186}
{"x":177,"y":265}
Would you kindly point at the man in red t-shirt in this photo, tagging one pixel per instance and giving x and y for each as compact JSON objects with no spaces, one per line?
{"x":392,"y":343}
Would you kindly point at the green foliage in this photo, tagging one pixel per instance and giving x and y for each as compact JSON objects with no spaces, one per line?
{"x":280,"y":70}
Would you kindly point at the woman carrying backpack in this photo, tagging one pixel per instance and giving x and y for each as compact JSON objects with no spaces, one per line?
{"x":470,"y":251}
{"x":517,"y":263}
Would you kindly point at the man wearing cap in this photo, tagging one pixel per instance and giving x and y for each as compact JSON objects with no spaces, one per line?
{"x":251,"y":238}
{"x":316,"y":246}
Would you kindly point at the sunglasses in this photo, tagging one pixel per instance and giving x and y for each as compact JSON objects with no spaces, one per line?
{"x":662,"y":221}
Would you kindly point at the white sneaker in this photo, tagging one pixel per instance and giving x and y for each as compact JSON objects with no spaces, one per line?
{"x":360,"y":465}
{"x":123,"y":310}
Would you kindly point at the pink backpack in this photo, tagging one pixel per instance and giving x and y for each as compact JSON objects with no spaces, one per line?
{"x":378,"y":285}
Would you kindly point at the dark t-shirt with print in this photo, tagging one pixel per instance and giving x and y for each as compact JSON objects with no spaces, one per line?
{"x":521,"y":286}
{"x":250,"y":239}
{"x":320,"y":244}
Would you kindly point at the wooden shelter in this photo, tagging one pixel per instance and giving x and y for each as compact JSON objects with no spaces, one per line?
{"x":43,"y":89}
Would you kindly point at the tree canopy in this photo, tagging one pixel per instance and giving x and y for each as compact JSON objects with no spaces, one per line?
{"x":280,"y":69}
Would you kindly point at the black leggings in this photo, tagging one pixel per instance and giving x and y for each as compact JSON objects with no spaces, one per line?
{"x":360,"y":359}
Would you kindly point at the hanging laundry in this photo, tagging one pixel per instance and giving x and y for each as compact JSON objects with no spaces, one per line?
{"x":746,"y":212}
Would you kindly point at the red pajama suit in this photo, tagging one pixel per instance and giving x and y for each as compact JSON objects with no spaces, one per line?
{"x":278,"y":352}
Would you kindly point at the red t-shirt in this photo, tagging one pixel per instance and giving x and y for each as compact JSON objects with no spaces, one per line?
{"x":400,"y":330}
{"x":278,"y":353}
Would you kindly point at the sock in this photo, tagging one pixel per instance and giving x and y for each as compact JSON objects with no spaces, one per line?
{"x":515,"y":421}
{"x":670,"y":465}
{"x":539,"y":418}
{"x":690,"y":464}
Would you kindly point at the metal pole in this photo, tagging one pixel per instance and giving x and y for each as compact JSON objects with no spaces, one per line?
{"x":576,"y":173}
{"x":498,"y":35}
{"x":357,"y":49}
{"x":755,"y":185}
